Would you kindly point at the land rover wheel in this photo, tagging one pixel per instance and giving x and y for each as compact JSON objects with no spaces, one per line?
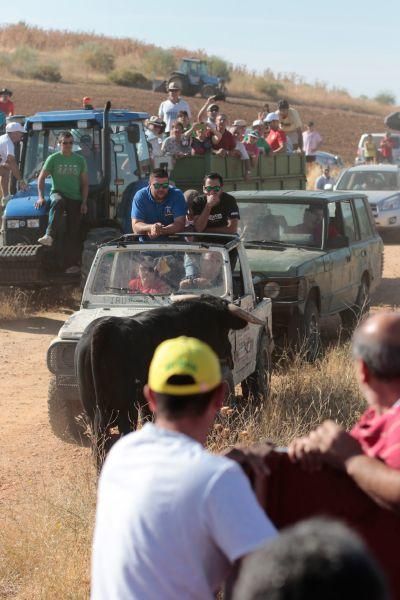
{"x":308,"y":331}
{"x":65,"y":413}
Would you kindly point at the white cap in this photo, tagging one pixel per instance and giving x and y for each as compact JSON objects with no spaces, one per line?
{"x":14,"y":127}
{"x":257,"y":122}
{"x":239,"y":123}
{"x":271,"y":117}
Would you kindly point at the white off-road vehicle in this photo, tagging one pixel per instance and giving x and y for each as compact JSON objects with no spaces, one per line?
{"x":128,"y":277}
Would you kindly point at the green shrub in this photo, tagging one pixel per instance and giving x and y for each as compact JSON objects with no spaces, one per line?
{"x":271,"y":89}
{"x":130,"y":79}
{"x":385,"y":98}
{"x":96,"y":57}
{"x":218,"y":67}
{"x":159,"y":62}
{"x":49,"y":73}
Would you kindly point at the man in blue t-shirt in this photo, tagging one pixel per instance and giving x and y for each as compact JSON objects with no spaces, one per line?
{"x":159,"y":209}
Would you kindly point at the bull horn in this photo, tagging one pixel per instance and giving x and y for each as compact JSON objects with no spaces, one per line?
{"x":179,"y":297}
{"x":244,"y":314}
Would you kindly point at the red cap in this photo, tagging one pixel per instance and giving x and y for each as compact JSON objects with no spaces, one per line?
{"x":86,"y":100}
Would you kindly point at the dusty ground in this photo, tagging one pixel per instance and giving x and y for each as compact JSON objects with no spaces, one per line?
{"x":340,"y":129}
{"x":35,"y":453}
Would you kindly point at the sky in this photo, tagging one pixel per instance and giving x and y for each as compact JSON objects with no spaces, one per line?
{"x":347,"y":44}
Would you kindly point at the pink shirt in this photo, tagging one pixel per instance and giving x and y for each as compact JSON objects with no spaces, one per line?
{"x":252,"y":149}
{"x":379,"y":435}
{"x":311,"y":139}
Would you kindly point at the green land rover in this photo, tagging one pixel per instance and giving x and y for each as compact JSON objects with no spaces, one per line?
{"x":314,"y":254}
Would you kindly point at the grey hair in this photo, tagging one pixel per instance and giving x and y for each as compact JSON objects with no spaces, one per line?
{"x":313,"y":560}
{"x":381,"y":358}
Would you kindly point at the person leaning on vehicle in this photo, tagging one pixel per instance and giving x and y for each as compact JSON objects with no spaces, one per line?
{"x":215,"y":211}
{"x":13,"y":135}
{"x":158,"y":209}
{"x":175,"y":516}
{"x":370,"y":452}
{"x":69,"y":192}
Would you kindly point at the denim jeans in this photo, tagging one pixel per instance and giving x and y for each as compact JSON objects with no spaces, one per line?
{"x":65,"y":228}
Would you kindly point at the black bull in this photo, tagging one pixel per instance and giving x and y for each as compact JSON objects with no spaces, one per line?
{"x":113,"y":356}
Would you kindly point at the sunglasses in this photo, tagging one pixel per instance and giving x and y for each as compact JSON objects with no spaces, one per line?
{"x":158,"y":186}
{"x":213,"y":110}
{"x":212,"y":188}
{"x":67,"y":143}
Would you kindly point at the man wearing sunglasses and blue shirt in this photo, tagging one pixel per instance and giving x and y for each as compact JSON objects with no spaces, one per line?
{"x":216,"y":211}
{"x":159,"y":209}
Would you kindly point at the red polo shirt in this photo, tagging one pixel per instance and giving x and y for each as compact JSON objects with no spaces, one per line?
{"x":7,"y":107}
{"x":276,"y":139}
{"x":227,"y":142}
{"x":379,"y":435}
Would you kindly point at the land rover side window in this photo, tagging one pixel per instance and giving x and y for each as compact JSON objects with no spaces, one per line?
{"x":348,"y":221}
{"x":363,"y":218}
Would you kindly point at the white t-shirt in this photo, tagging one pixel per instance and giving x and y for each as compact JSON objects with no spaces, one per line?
{"x":244,"y":155}
{"x":170,"y":519}
{"x":168,"y":111}
{"x":6,"y":147}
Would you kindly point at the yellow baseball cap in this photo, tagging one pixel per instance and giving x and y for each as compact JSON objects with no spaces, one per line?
{"x":184,"y":356}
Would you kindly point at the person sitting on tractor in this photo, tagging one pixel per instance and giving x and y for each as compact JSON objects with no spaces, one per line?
{"x":68,"y":195}
{"x":8,"y":163}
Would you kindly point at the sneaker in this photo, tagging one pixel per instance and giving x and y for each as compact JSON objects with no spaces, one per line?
{"x":46,"y":240}
{"x":73,"y":270}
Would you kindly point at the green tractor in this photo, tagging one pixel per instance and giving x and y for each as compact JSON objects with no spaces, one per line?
{"x":193,"y":78}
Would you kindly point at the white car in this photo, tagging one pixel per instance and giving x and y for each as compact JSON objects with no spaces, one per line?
{"x":381,"y":184}
{"x":378,"y":137}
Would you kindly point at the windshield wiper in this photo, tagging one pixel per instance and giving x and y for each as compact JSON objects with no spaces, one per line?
{"x":136,"y":293}
{"x":269,"y":243}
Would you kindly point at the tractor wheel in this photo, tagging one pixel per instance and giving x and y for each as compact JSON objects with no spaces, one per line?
{"x":255,"y":388}
{"x":94,"y":239}
{"x":64,"y":406}
{"x":207,"y":91}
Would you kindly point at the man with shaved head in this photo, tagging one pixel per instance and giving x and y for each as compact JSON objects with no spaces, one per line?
{"x":370,"y":452}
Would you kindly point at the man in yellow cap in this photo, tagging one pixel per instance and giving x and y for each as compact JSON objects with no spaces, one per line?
{"x":172,"y":518}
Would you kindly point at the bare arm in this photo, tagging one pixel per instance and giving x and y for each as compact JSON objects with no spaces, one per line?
{"x":154,"y":230}
{"x":200,"y":221}
{"x":13,"y":166}
{"x":204,"y":108}
{"x":177,"y":226}
{"x":380,"y":482}
{"x":41,"y":180}
{"x":230,"y":228}
{"x":84,"y":192}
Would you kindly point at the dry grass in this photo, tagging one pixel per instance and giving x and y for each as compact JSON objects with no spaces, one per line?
{"x":46,"y":539}
{"x":16,"y":303}
{"x":23,"y":44}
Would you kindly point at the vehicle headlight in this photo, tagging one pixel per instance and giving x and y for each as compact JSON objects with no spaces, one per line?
{"x":32,"y":223}
{"x":12,"y":224}
{"x":391,"y":203}
{"x":272,"y":289}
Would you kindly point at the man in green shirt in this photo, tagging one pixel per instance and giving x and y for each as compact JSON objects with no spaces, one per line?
{"x":68,"y":195}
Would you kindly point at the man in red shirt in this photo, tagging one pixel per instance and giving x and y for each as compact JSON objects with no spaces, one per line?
{"x":370,"y":452}
{"x":6,"y":105}
{"x":386,"y":148}
{"x":277,"y":137}
{"x":227,"y":142}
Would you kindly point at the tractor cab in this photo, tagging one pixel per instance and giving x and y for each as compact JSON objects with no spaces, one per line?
{"x":117,"y":157}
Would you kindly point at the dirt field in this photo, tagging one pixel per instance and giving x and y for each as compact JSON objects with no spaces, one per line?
{"x":35,"y":453}
{"x":340,"y":129}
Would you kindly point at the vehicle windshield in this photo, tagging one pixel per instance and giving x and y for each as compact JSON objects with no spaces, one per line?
{"x":45,"y":142}
{"x":145,"y":272}
{"x":368,"y":181}
{"x":283,"y":223}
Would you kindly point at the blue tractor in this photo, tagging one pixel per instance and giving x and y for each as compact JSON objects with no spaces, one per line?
{"x":193,"y":77}
{"x":115,"y":148}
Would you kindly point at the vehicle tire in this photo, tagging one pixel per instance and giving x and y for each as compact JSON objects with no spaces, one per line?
{"x":179,"y":81}
{"x":308,"y":333}
{"x":64,"y":407}
{"x":207,"y":91}
{"x":94,"y":239}
{"x":256,"y":387}
{"x":351,"y":316}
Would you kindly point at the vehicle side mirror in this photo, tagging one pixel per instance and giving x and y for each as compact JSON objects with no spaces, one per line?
{"x":133,"y":134}
{"x":328,"y":187}
{"x":340,"y":241}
